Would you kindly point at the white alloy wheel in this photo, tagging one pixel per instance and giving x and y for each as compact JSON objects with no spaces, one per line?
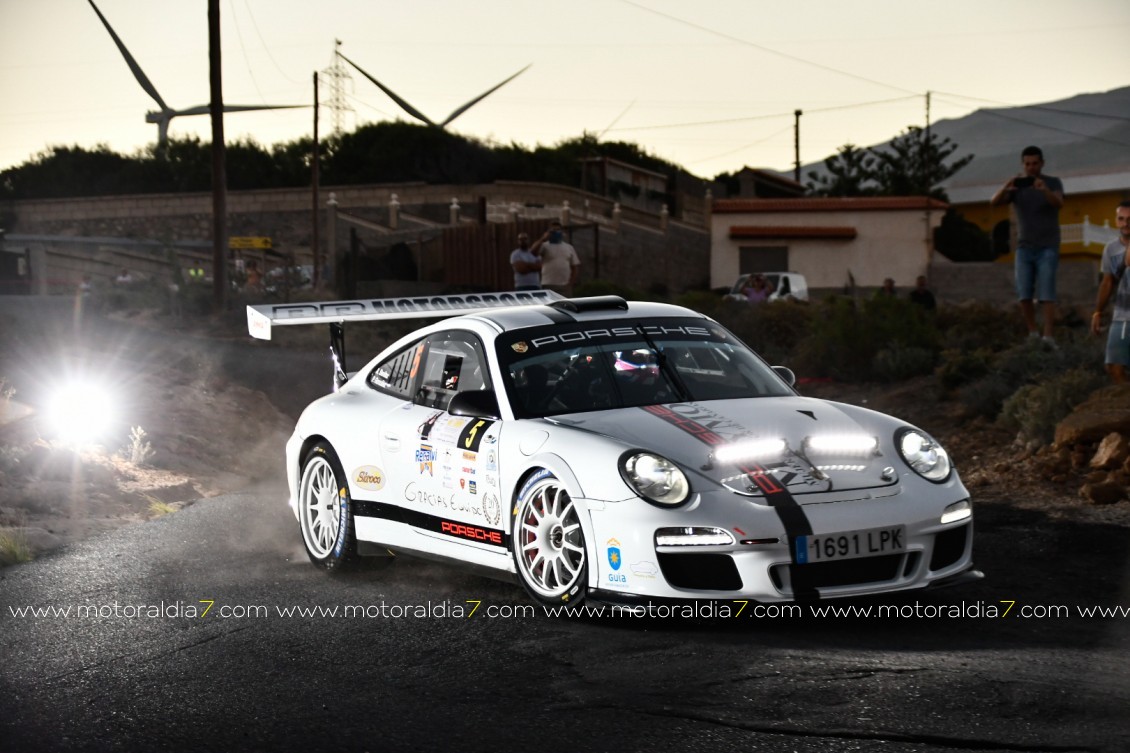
{"x":325,"y":513}
{"x":548,"y":542}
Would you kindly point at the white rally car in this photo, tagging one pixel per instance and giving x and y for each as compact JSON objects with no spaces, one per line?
{"x":631,"y":452}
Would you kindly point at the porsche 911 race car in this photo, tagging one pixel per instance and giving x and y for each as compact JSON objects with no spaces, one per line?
{"x":626,"y":452}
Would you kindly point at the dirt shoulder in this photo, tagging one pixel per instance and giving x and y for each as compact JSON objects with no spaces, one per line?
{"x":204,"y":432}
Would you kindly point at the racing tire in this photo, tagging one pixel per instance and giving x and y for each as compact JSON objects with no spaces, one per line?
{"x":325,"y":511}
{"x":548,"y":542}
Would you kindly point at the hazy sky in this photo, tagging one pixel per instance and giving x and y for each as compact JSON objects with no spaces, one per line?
{"x":711,"y":85}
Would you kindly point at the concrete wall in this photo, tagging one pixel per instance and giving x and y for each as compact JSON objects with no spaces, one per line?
{"x":1077,"y":282}
{"x":638,"y":249}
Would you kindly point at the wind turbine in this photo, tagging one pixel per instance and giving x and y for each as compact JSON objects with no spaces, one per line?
{"x":162,"y":116}
{"x":421,"y":116}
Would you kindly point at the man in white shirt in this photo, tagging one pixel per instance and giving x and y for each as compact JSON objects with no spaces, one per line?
{"x":526,"y":265}
{"x":560,"y":264}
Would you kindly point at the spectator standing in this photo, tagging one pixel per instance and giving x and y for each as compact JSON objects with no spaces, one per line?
{"x":757,"y":289}
{"x":1116,"y":257}
{"x":526,"y":265}
{"x":921,"y":294}
{"x":888,"y":288}
{"x":1037,"y":199}
{"x":560,"y":265}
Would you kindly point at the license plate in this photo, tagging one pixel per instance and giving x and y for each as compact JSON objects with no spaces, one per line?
{"x":850,"y":544}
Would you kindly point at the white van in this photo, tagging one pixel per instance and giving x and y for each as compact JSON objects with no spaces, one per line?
{"x":787,"y":285}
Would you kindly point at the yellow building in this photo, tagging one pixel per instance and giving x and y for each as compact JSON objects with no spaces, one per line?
{"x":1086,"y":219}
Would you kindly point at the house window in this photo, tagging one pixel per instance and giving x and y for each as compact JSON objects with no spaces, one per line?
{"x":763,"y":259}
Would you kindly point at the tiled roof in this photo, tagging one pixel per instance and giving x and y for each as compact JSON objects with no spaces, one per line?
{"x":851,"y":204}
{"x":779,"y":231}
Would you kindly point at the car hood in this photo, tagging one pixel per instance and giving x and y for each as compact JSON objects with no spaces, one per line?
{"x":691,"y":434}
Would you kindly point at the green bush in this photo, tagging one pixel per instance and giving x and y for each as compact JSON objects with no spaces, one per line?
{"x":899,"y":362}
{"x":607,"y":287}
{"x":774,"y":329}
{"x":977,"y":326}
{"x":962,"y":367}
{"x":1030,"y":363}
{"x":846,"y":338}
{"x":1035,"y":409}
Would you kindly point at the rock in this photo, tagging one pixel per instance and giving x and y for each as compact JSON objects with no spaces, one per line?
{"x":1113,"y":451}
{"x":1103,"y":493}
{"x":1106,"y":410}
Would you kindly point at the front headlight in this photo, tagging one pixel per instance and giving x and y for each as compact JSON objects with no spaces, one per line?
{"x":654,"y":478}
{"x":923,"y":454}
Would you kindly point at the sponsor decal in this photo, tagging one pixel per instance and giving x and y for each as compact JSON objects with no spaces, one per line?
{"x":492,"y":508}
{"x":425,"y":428}
{"x":426,"y":457}
{"x":472,"y":435}
{"x":645,"y":569}
{"x":369,"y":477}
{"x":404,"y":307}
{"x":611,"y":333}
{"x":472,"y":487}
{"x":462,"y":483}
{"x":468,"y":470}
{"x":492,"y":460}
{"x":492,"y":480}
{"x":446,"y":432}
{"x":615,"y":560}
{"x":474,"y":533}
{"x":520,"y":347}
{"x":470,"y":456}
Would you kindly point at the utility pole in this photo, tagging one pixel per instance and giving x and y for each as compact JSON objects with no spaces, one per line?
{"x":314,"y":178}
{"x":927,"y":154}
{"x":796,"y":145}
{"x":219,"y":164}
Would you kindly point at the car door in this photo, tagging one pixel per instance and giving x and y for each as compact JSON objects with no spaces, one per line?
{"x":448,"y":466}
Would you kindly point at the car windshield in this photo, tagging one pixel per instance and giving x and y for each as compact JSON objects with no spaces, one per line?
{"x":589,"y":366}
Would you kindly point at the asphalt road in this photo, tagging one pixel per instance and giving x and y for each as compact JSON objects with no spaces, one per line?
{"x":133,"y":675}
{"x":122,"y":656}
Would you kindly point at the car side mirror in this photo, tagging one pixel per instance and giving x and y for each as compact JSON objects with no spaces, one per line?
{"x":475,"y":404}
{"x":787,"y":374}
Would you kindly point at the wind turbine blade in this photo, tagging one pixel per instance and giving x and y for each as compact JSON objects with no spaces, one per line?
{"x":395,"y":98}
{"x":481,"y":97}
{"x":133,"y":66}
{"x":205,"y":109}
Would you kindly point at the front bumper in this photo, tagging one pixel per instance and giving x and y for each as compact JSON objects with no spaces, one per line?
{"x":758,"y":566}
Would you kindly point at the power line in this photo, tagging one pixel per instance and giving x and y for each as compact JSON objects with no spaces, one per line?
{"x":243,"y":49}
{"x":764,"y":117}
{"x":763,"y":48}
{"x":1034,"y":124}
{"x":1079,"y":113}
{"x":743,"y":147}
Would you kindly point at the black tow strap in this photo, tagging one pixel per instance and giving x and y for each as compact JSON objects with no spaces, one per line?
{"x":789,"y":511}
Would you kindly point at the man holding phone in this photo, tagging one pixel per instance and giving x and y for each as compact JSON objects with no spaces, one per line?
{"x":1037,"y":199}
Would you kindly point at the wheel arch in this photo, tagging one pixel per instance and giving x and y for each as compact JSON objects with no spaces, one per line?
{"x":556,"y":465}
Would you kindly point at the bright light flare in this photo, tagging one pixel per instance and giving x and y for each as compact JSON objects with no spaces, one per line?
{"x":751,"y":449}
{"x":842,"y":444}
{"x":80,"y":413}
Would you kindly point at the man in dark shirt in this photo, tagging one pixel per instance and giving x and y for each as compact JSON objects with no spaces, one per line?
{"x":1037,"y":199}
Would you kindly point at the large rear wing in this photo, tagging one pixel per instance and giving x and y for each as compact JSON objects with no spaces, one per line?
{"x":260,"y":319}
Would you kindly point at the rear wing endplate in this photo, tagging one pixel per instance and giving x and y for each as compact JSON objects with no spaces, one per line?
{"x":261,"y":319}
